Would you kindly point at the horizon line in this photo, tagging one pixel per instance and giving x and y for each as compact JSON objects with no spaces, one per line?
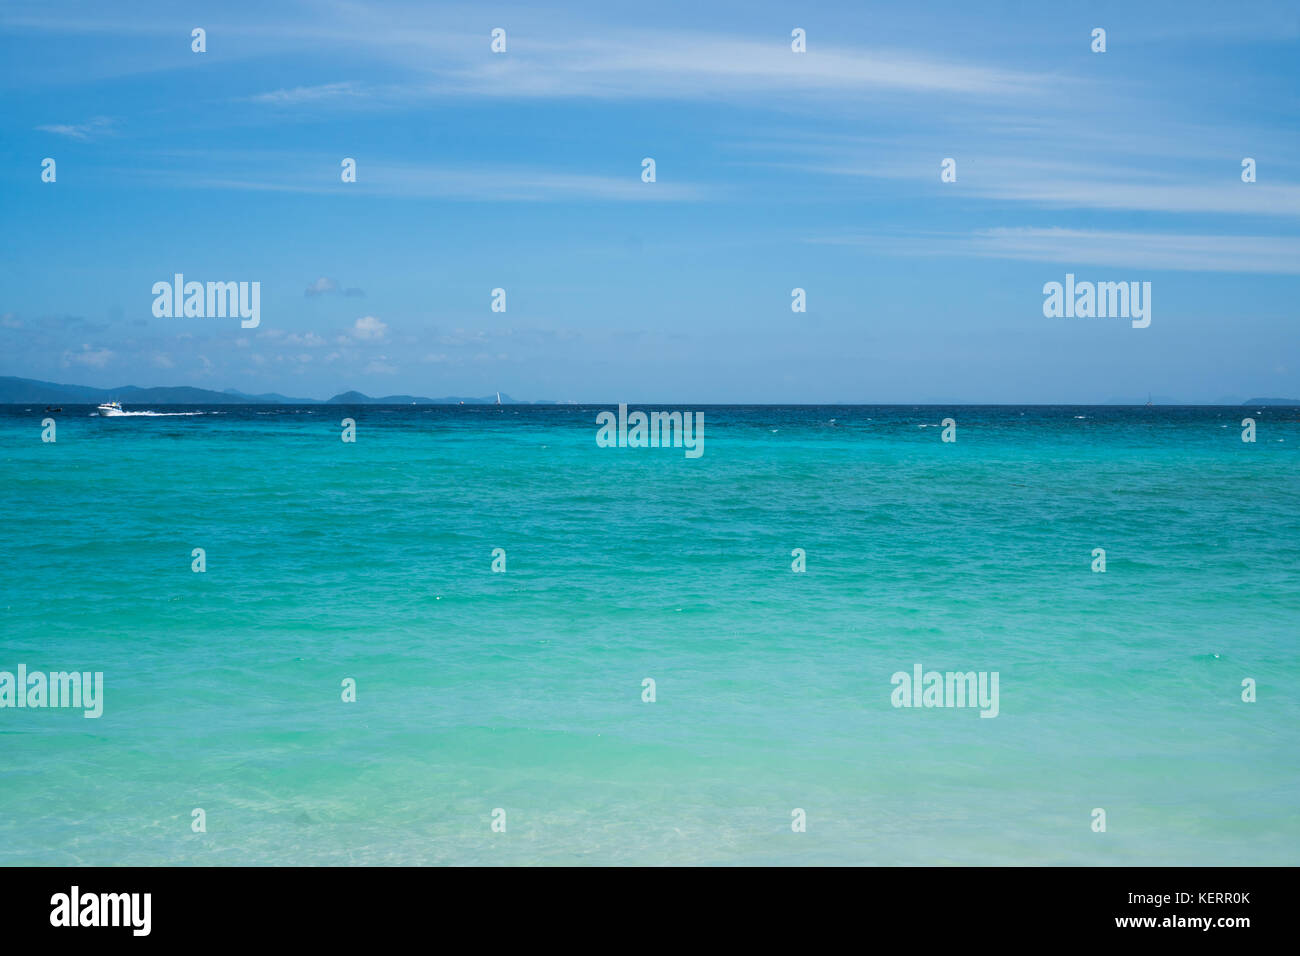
{"x":407,"y":400}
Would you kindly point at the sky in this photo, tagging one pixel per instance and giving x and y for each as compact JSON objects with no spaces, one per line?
{"x":774,"y":170}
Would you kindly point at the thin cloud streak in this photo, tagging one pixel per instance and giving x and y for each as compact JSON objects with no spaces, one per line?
{"x":80,"y":131}
{"x":702,"y":66}
{"x":300,"y":95}
{"x":480,"y":184}
{"x":1055,"y":184}
{"x":1276,"y":255}
{"x":549,"y":58}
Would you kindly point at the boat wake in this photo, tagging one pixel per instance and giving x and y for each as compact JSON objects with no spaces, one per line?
{"x":147,"y":414}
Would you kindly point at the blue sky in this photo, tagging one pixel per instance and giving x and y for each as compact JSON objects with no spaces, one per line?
{"x":775,"y":170}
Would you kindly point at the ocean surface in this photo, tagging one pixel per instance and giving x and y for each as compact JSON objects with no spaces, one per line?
{"x":522,"y":690}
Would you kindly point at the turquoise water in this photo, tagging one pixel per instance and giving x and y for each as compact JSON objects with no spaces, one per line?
{"x":523,"y":690}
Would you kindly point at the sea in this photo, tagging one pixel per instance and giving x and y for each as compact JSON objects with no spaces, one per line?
{"x":475,"y":636}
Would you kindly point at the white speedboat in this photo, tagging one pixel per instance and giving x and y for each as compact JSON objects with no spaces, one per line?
{"x":110,"y":408}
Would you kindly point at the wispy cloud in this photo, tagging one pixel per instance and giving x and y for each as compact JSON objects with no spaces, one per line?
{"x":1096,"y":182}
{"x":699,"y":65}
{"x":327,"y":286}
{"x":414,"y":181}
{"x":322,"y":286}
{"x":443,"y":51}
{"x":1229,"y":196}
{"x":82,"y":131}
{"x":307,"y":338}
{"x":1278,"y":255}
{"x":90,"y":357}
{"x":300,"y":95}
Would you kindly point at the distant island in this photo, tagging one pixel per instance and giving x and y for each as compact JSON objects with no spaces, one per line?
{"x":24,"y":391}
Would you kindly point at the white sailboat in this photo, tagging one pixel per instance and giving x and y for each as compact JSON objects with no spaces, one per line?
{"x":498,"y":398}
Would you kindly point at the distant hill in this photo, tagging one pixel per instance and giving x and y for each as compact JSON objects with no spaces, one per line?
{"x":26,"y":391}
{"x":274,"y":398}
{"x":358,"y":398}
{"x":1228,"y":400}
{"x":1154,"y":399}
{"x":23,"y":390}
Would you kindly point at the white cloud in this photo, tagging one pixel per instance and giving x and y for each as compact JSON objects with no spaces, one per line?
{"x":369,"y":328}
{"x":460,"y":337}
{"x":321,"y":286}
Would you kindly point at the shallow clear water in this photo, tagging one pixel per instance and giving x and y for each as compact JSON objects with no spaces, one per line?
{"x":522,"y":690}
